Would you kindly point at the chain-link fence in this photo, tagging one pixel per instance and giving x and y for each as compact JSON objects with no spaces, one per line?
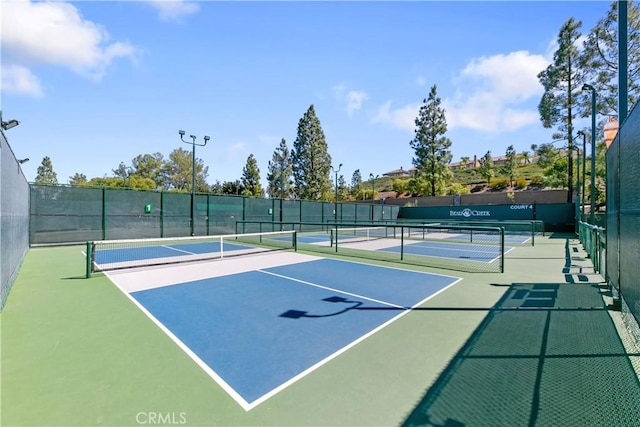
{"x":64,"y":214}
{"x":14,"y":218}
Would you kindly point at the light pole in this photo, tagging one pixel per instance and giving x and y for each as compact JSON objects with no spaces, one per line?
{"x":335,"y":211}
{"x":577,"y":199}
{"x":193,"y":173}
{"x":592,"y":214}
{"x":282,"y":162}
{"x":373,"y":192}
{"x":584,"y":170}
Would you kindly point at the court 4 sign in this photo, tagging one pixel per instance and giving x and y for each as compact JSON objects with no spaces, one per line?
{"x":468,"y":213}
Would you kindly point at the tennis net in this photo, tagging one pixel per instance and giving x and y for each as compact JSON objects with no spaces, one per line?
{"x":104,"y":255}
{"x":463,"y":248}
{"x":359,"y":234}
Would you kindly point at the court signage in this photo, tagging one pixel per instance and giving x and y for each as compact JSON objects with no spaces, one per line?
{"x":469,"y":213}
{"x":522,"y":207}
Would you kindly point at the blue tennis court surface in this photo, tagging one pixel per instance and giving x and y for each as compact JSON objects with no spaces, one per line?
{"x":514,"y":239}
{"x":436,"y":249}
{"x":260,"y":330}
{"x":107,"y":256}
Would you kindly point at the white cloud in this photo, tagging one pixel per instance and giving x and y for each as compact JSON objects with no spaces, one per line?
{"x":491,"y":94}
{"x":174,"y":10}
{"x":354,"y":100}
{"x":20,"y":80}
{"x":421,"y":81}
{"x":351,"y":99}
{"x":55,"y":33}
{"x":402,"y":118}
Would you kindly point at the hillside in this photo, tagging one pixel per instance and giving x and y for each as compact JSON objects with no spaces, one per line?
{"x":467,"y":177}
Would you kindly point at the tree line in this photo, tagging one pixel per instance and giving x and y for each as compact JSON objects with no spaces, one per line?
{"x":304,"y":170}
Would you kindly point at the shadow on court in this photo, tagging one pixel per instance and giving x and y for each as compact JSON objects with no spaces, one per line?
{"x":545,"y":355}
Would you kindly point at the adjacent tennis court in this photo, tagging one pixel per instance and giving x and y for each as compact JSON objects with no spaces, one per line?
{"x":257,"y":325}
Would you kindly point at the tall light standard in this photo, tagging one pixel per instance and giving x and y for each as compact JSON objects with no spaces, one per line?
{"x":282,"y":163}
{"x":193,"y":173}
{"x":373,"y":192}
{"x":584,"y":170}
{"x":335,"y":211}
{"x":592,"y":214}
{"x":577,"y":199}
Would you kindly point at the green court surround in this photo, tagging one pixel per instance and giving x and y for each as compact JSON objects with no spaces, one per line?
{"x":77,"y":352}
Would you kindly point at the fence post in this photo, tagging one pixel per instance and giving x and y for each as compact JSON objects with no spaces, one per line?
{"x":104,"y":214}
{"x":89,"y":257}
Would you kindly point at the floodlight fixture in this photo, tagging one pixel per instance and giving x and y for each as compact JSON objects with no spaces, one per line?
{"x":23,"y":160}
{"x":10,"y":124}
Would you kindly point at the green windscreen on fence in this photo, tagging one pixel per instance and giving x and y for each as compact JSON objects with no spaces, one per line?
{"x":62,"y":214}
{"x":65,"y":214}
{"x":125,"y":215}
{"x":613,"y":211}
{"x":14,"y":218}
{"x":623,"y":218}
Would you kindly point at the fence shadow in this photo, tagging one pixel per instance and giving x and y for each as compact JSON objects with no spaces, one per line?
{"x":545,"y":355}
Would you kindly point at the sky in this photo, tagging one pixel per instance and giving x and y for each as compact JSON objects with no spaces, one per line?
{"x":97,"y":83}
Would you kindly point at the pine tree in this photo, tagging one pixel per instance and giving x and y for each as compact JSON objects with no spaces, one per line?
{"x":46,"y":175}
{"x":356,"y":183}
{"x":486,"y":167}
{"x":431,"y":147}
{"x":343,"y":188}
{"x":280,"y":171}
{"x":562,"y":81}
{"x":510,"y":167}
{"x":311,"y":161}
{"x":251,"y":178}
{"x":600,"y":59}
{"x":78,"y":179}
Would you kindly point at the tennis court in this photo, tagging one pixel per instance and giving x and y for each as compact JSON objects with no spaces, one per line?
{"x":436,"y":247}
{"x":293,"y":338}
{"x":217,"y":313}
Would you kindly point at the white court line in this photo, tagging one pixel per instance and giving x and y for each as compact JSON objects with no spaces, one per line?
{"x":345,"y":348}
{"x":331,"y":289}
{"x":247,"y":406}
{"x":178,"y":250}
{"x":217,"y":378}
{"x":426,"y":246}
{"x":452,"y":258}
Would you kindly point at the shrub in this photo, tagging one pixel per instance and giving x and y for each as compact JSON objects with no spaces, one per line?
{"x":536,"y":180}
{"x":457,"y":188}
{"x":521,"y":183}
{"x":477,"y":188}
{"x":499,"y":184}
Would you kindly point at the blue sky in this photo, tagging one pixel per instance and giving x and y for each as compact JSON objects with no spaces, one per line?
{"x":97,"y":83}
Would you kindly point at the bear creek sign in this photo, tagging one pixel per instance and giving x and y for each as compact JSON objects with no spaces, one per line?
{"x":468,"y":213}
